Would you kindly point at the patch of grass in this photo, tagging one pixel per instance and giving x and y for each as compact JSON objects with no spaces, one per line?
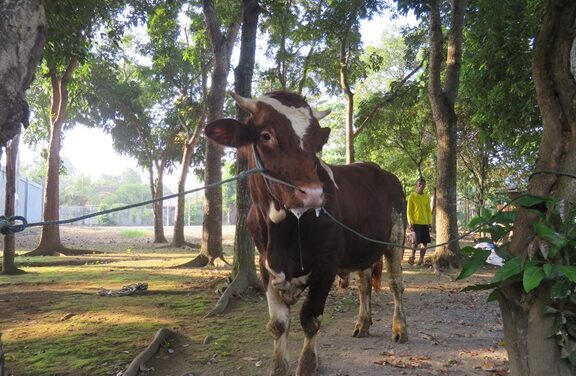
{"x":101,"y":335}
{"x":133,"y":233}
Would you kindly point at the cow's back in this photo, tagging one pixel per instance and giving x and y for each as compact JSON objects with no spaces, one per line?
{"x":370,"y":201}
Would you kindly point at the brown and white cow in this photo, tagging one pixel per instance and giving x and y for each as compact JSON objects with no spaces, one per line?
{"x":304,"y":248}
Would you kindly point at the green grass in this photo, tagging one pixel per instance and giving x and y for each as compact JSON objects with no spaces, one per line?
{"x":104,"y":334}
{"x":134,"y":233}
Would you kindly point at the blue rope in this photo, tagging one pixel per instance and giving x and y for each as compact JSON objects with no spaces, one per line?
{"x":7,"y":226}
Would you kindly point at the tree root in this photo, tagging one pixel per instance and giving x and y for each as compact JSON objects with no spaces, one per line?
{"x":61,"y":252}
{"x":238,"y":285}
{"x":199,"y":261}
{"x":162,"y":335}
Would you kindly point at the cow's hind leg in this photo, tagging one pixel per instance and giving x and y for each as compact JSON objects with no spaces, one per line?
{"x":395,"y":281}
{"x":362,"y":328}
{"x":279,"y":326}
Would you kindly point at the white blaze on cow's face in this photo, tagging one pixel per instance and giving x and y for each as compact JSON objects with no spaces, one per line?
{"x":299,"y":117}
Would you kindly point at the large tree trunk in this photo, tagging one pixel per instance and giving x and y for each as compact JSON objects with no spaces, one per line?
{"x":244,"y":270}
{"x":8,"y":265}
{"x":530,"y":351}
{"x":22,"y":38}
{"x":243,"y":243}
{"x":442,"y":102}
{"x":222,"y":44}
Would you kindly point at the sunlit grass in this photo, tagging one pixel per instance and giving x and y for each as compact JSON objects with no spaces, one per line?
{"x":58,"y":324}
{"x":134,"y":233}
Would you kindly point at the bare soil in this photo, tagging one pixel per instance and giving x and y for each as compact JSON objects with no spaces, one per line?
{"x":450,"y":332}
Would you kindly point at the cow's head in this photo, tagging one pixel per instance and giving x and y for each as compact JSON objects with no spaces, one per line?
{"x":286,"y":136}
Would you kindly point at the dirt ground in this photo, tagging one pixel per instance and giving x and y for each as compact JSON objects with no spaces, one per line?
{"x":450,"y":332}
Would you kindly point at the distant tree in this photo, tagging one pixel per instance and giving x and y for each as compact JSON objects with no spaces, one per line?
{"x":72,"y":25}
{"x":138,"y":112}
{"x":180,"y":59}
{"x":294,"y":47}
{"x":445,"y":60}
{"x":342,"y":28}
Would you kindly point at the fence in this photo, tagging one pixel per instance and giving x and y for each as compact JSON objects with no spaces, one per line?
{"x":29,"y":197}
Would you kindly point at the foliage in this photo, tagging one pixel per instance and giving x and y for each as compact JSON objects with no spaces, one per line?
{"x":499,"y":119}
{"x":400,"y":136}
{"x":548,"y":266}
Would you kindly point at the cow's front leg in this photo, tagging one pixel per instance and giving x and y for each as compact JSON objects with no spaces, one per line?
{"x":310,"y":319}
{"x":279,"y":326}
{"x":362,"y":328}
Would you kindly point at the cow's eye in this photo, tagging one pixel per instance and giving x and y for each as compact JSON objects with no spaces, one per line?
{"x":265,"y":136}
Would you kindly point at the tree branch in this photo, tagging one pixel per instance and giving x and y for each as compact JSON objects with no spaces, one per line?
{"x":389,"y":97}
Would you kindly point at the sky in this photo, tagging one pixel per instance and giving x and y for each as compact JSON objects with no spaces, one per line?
{"x":91,"y":152}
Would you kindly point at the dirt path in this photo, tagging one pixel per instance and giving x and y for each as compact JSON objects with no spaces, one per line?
{"x":450,"y":333}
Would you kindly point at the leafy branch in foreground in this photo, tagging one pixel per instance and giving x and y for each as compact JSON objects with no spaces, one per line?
{"x":549,"y":263}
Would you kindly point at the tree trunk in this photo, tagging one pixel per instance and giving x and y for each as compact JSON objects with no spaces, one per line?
{"x":22,"y":38}
{"x":211,"y":248}
{"x":158,"y":209}
{"x":179,"y":240}
{"x":243,"y":243}
{"x":50,"y":243}
{"x":8,"y":265}
{"x":347,"y":90}
{"x":243,"y":270}
{"x":530,"y":351}
{"x":442,"y":102}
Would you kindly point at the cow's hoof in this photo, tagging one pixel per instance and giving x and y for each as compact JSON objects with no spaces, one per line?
{"x":400,"y":337}
{"x":281,"y":368}
{"x":361,"y":333}
{"x":308,"y":365}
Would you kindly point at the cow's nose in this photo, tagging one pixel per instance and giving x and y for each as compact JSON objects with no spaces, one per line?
{"x":312,"y":196}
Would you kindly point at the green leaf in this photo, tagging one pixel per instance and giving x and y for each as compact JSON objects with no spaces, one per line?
{"x":548,"y":310}
{"x":498,"y":232}
{"x":493,"y":295}
{"x":504,"y":217}
{"x":547,"y":269}
{"x":560,"y":289}
{"x":475,"y":222}
{"x":474,"y":263}
{"x":510,"y":268}
{"x":529,"y":201}
{"x":533,"y":275}
{"x":545,"y":232}
{"x":569,"y":271}
{"x":468,"y":251}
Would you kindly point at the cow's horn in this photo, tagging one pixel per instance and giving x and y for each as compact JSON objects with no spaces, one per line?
{"x":246,"y":103}
{"x":320,"y":114}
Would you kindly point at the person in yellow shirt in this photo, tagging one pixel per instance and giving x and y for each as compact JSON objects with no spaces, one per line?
{"x":419,"y":215}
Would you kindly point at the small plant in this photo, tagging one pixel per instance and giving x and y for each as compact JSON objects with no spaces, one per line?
{"x":550,"y":258}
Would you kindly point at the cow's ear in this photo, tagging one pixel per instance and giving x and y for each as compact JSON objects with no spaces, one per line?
{"x":228,"y":132}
